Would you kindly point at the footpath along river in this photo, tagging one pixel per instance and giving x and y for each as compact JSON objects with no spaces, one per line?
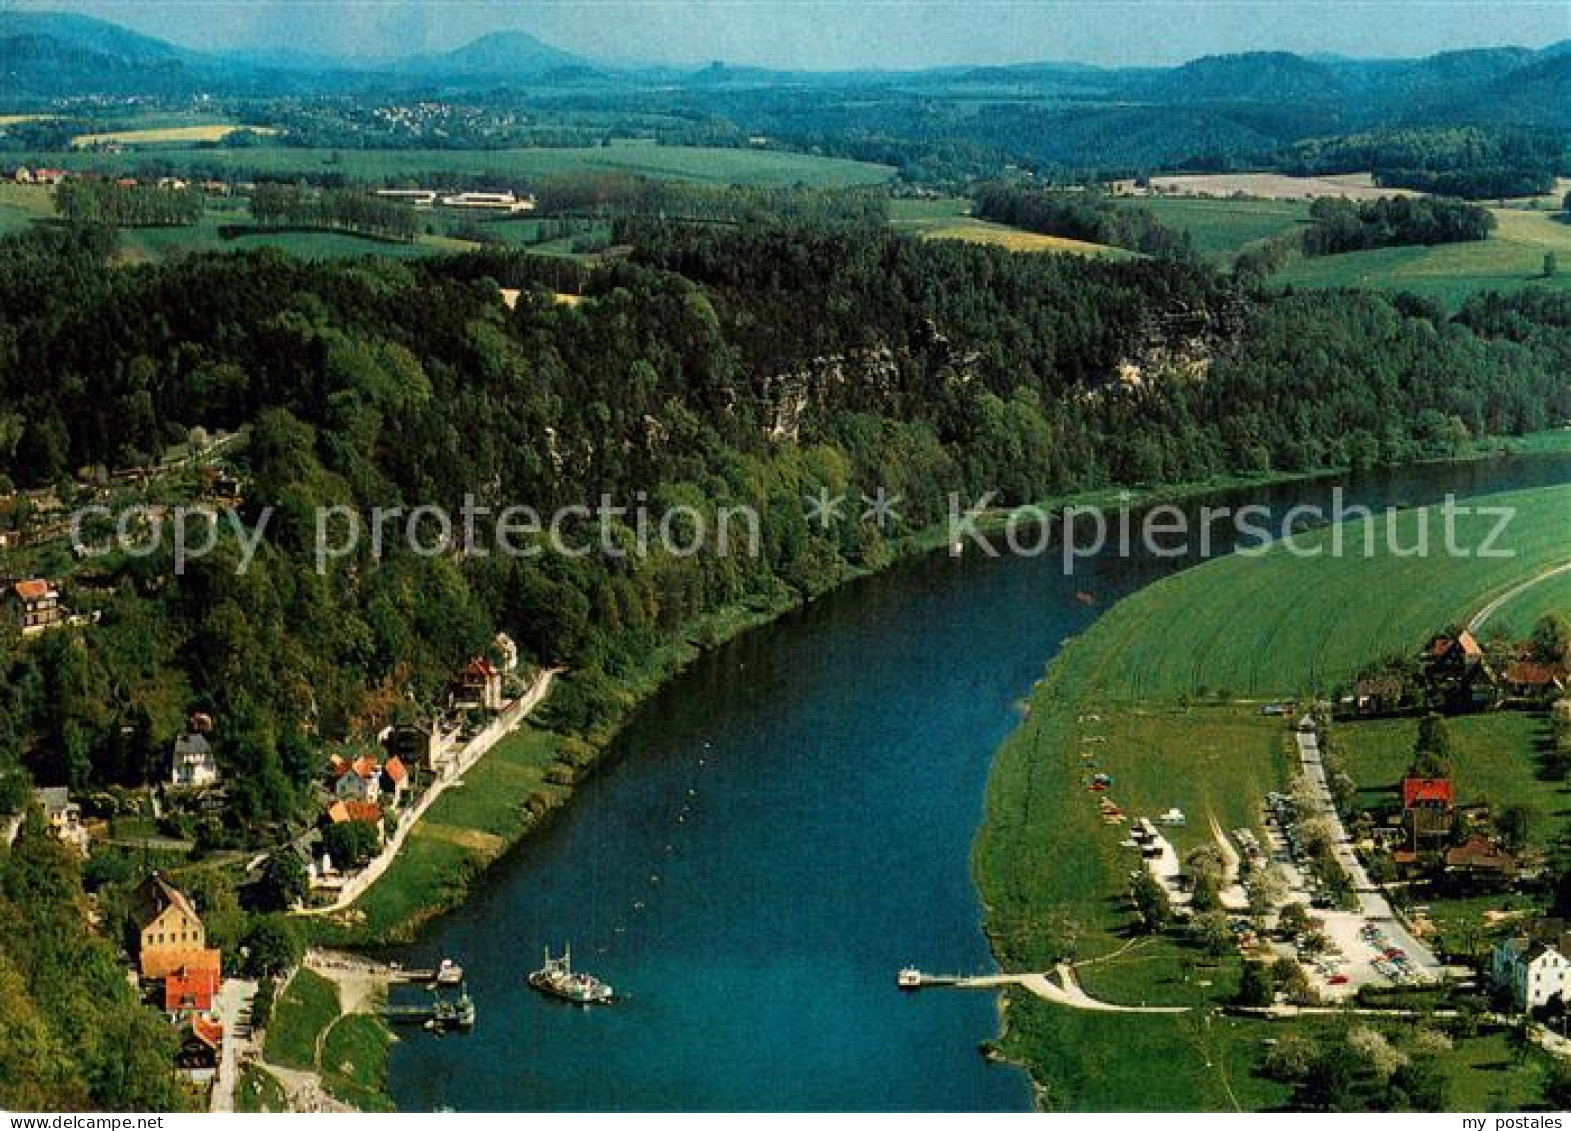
{"x":781,"y":828}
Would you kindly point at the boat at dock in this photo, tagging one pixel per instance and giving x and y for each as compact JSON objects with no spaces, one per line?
{"x":449,"y":973}
{"x":558,"y":979}
{"x":909,"y":978}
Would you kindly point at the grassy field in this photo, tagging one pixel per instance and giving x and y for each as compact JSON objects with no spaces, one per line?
{"x":950,"y":219}
{"x":1220,"y":229}
{"x":304,"y":1011}
{"x":167,"y":135}
{"x":1149,"y":695}
{"x":467,"y":828}
{"x":23,"y":205}
{"x":1511,"y":259}
{"x":258,"y":1092}
{"x":146,"y":245}
{"x":354,"y":1061}
{"x":708,"y":165}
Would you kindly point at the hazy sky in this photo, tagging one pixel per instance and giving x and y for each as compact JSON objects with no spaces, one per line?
{"x":819,"y":35}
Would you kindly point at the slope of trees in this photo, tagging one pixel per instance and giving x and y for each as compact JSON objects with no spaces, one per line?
{"x":1471,"y":162}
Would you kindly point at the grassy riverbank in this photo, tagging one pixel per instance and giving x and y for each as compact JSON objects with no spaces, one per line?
{"x":1156,"y":692}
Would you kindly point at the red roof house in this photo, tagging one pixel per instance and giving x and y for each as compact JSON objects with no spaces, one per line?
{"x":1428,"y":793}
{"x":191,"y":989}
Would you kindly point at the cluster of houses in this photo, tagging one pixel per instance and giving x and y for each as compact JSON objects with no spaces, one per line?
{"x":1456,"y":672}
{"x":22,"y":175}
{"x":178,"y":969}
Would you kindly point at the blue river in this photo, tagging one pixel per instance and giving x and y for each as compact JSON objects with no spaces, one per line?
{"x":776,"y":832}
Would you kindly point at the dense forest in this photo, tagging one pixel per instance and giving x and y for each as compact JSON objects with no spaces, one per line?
{"x":1081,"y":216}
{"x":1392,"y":221}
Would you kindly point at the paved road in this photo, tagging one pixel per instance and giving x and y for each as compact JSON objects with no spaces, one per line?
{"x":234,"y":1000}
{"x":1372,"y":902}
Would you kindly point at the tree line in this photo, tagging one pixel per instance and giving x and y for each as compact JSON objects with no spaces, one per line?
{"x":355,"y":210}
{"x":1392,"y":221}
{"x":1084,"y":216}
{"x":84,"y":202}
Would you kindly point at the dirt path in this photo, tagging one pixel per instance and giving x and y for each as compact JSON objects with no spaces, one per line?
{"x":1068,"y":993}
{"x":1482,"y":616}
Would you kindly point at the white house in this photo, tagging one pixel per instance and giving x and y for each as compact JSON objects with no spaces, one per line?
{"x":64,"y":816}
{"x":194,"y":764}
{"x":1534,"y":972}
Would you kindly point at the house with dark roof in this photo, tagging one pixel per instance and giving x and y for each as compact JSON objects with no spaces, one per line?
{"x":1480,"y":857}
{"x":201,"y":1045}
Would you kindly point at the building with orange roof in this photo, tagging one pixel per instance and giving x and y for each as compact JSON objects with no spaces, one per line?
{"x":191,"y":989}
{"x":201,"y":1045}
{"x":360,"y":781}
{"x":35,"y":605}
{"x":170,"y":934}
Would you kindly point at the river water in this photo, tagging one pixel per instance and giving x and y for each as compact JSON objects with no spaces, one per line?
{"x":779,"y":829}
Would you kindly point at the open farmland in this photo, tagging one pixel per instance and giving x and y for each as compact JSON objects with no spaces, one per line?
{"x":23,"y":205}
{"x":167,"y":135}
{"x":951,"y":219}
{"x":1511,"y":259}
{"x":705,"y":165}
{"x":1275,"y":186}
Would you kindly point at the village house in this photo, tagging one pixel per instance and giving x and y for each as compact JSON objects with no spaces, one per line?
{"x":419,"y":745}
{"x":64,"y":816}
{"x":201,"y":1046}
{"x":171,"y":939}
{"x":35,"y":605}
{"x":360,"y":780}
{"x":194,"y":763}
{"x":191,"y":990}
{"x":1532,"y":971}
{"x":1530,"y":679}
{"x":480,"y":685}
{"x":1427,"y":806}
{"x":395,"y":779}
{"x":1479,"y":858}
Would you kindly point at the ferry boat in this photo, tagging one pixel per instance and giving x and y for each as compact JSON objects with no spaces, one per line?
{"x":557,"y":979}
{"x":910,"y":978}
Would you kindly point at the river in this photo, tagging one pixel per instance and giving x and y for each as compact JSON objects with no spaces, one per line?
{"x":779,"y":829}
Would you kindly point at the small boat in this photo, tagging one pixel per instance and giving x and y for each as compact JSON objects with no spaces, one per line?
{"x":1085,"y":598}
{"x":449,"y":973}
{"x":909,"y":978}
{"x":557,"y":979}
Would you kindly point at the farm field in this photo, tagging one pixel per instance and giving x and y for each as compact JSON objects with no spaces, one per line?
{"x":1220,"y":229}
{"x":1553,"y":594}
{"x":707,"y":165}
{"x":1274,"y":186}
{"x":167,"y":135}
{"x":950,"y":219}
{"x":147,"y":245}
{"x":1511,"y":259}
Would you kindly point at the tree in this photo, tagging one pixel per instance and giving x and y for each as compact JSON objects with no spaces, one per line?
{"x":1376,"y":1053}
{"x":273,"y":945}
{"x":1515,"y":823}
{"x":1328,"y":1082}
{"x":1551,"y":640}
{"x":1255,"y":987}
{"x":1557,"y":1088}
{"x":1151,"y":901}
{"x":1551,"y":265}
{"x":1432,"y":749}
{"x":284,"y":882}
{"x":1293,"y":919}
{"x":352,"y":843}
{"x":1211,"y":932}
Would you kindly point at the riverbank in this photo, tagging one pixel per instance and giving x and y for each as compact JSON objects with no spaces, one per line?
{"x":1163,"y":693}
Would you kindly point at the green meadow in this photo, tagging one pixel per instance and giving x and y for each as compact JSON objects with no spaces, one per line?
{"x":1221,"y":228}
{"x":1511,"y":259}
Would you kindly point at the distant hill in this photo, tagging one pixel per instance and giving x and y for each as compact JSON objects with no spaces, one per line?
{"x":499,"y":56}
{"x":51,"y":53}
{"x":1255,"y":76}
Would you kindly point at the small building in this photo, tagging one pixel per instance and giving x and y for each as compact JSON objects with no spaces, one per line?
{"x":343,"y":812}
{"x":395,"y":778}
{"x":506,"y":649}
{"x":361,"y":780}
{"x":23,"y":175}
{"x":35,"y":605}
{"x":419,"y":745}
{"x":170,"y":934}
{"x":1427,"y":805}
{"x":480,"y":685}
{"x":201,"y":1045}
{"x":1454,"y":652}
{"x":48,"y":176}
{"x":64,"y":816}
{"x":194,"y":763}
{"x":1532,"y":679}
{"x":1377,"y":696}
{"x":1480,"y":857}
{"x":1533,"y":972}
